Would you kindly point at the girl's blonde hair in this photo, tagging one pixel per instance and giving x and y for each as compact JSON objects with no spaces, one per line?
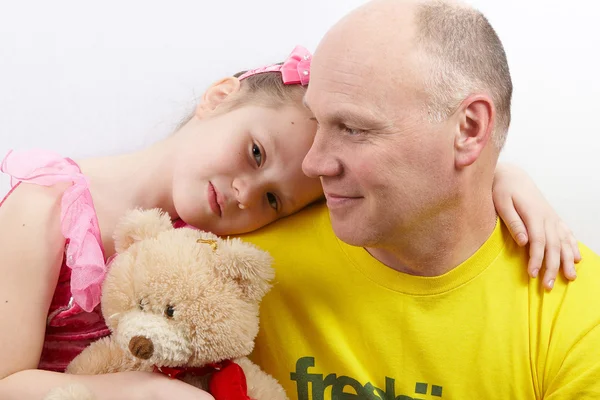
{"x":265,"y":89}
{"x":269,"y":90}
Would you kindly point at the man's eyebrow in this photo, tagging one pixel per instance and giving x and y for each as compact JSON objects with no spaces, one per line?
{"x":346,"y":115}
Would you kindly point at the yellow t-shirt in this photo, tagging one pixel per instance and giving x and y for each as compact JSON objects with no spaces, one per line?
{"x":340,"y":325}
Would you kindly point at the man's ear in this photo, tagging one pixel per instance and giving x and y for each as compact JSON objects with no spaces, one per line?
{"x":216,"y":94}
{"x":476,"y":117}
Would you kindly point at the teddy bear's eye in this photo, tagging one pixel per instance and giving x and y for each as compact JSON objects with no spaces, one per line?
{"x":141,"y":304}
{"x":170,"y":311}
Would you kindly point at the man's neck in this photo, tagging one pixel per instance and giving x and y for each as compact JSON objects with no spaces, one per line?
{"x":442,"y":243}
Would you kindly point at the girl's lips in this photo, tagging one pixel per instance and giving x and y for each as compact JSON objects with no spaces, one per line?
{"x":212,"y":200}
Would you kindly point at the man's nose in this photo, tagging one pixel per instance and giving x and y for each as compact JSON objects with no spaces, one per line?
{"x":321,"y":159}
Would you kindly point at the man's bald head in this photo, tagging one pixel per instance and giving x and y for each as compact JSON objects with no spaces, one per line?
{"x":446,"y":49}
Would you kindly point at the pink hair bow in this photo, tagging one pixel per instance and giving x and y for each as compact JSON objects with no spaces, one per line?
{"x":294,"y":70}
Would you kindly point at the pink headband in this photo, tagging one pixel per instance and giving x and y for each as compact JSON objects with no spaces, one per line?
{"x":295,"y":70}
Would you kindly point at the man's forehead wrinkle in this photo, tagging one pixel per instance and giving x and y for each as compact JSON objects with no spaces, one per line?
{"x":343,"y":105}
{"x":337,"y":72}
{"x":348,"y":60}
{"x":345,"y":83}
{"x":337,"y":75}
{"x":354,"y":85}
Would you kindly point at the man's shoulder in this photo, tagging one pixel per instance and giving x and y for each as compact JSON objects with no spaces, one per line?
{"x":570,"y":309}
{"x":308,"y":224}
{"x":568,"y":330}
{"x":585,"y":288}
{"x":587,"y":284}
{"x":589,"y":259}
{"x":313,"y":217}
{"x":588,"y":275}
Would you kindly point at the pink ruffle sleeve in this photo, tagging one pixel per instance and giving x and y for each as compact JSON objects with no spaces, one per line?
{"x":79,"y":223}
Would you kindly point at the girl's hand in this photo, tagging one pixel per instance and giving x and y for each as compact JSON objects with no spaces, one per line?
{"x":164,"y":388}
{"x":532,"y":220}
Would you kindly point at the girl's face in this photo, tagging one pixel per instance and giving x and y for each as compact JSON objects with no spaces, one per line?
{"x":240,"y":170}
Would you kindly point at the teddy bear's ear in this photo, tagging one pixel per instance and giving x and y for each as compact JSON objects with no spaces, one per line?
{"x":246,"y":265}
{"x":138,"y":225}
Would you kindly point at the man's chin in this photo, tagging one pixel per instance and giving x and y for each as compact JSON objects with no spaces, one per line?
{"x":348,"y":229}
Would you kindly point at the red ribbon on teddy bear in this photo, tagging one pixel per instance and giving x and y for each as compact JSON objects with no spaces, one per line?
{"x":227,"y":382}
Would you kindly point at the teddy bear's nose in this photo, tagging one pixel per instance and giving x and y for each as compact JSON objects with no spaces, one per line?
{"x":141,"y":347}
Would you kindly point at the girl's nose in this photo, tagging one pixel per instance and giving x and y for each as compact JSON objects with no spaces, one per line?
{"x":247,"y":193}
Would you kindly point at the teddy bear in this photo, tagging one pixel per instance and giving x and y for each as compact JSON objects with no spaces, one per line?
{"x":181,"y":302}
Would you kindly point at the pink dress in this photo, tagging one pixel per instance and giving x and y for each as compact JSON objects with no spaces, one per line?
{"x":74,"y":317}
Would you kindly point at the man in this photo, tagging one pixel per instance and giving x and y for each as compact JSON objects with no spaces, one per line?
{"x":409,"y":286}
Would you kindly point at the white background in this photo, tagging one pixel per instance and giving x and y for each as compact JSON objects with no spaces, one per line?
{"x":90,"y":78}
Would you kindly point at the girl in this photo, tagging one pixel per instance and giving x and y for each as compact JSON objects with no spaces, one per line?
{"x":233,"y":167}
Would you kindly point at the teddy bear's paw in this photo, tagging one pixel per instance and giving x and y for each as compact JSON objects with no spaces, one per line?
{"x":71,"y":392}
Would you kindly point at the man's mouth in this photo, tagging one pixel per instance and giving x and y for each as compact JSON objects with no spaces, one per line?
{"x":336,"y":200}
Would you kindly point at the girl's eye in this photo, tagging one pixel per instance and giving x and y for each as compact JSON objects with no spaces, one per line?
{"x":257,"y":154}
{"x":272,"y":199}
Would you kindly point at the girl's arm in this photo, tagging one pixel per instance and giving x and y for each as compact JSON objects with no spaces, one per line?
{"x":532,"y":220}
{"x":31,"y":253}
{"x":35,"y":384}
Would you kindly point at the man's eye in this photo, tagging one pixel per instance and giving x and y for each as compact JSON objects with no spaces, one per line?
{"x":257,"y":154}
{"x":352,"y":131}
{"x":272,"y":199}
